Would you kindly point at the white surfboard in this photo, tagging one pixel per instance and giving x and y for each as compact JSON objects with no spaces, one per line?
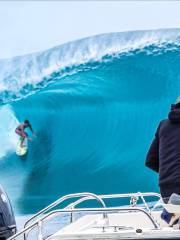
{"x":22,"y":150}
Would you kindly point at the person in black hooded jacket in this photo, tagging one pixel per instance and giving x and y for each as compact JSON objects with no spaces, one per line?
{"x":164,"y":154}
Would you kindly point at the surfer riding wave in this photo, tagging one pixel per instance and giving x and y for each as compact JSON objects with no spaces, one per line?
{"x":20,"y":131}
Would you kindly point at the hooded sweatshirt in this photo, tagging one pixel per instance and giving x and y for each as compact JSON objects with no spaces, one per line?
{"x":164,"y":153}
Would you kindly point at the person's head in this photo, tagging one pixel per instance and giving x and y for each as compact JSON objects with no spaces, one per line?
{"x":26,"y":122}
{"x":176,"y":105}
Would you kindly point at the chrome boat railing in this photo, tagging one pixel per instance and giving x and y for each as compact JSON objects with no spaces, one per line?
{"x":82,"y":198}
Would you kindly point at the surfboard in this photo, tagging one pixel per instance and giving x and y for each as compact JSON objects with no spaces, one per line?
{"x":21,"y":150}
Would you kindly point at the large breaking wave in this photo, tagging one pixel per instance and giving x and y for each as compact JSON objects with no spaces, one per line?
{"x":94,"y":104}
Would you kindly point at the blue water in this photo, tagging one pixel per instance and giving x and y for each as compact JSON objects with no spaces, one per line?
{"x":94,"y":104}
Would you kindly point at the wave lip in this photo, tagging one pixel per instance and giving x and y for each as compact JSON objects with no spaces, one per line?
{"x":29,"y":70}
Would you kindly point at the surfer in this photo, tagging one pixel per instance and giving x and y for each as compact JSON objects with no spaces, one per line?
{"x":20,"y":131}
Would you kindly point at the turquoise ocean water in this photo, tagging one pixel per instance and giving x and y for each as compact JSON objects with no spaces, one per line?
{"x":94,"y":104}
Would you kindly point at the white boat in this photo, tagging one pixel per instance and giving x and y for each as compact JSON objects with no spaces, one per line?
{"x":139,"y":220}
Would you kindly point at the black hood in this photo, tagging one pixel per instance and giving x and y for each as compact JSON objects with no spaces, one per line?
{"x":174,"y":114}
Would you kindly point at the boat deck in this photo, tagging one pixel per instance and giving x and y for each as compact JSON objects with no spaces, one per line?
{"x":133,"y":221}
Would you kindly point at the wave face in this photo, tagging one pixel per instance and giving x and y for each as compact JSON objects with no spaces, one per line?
{"x":94,"y":104}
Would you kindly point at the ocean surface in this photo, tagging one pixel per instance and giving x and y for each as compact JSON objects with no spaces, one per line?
{"x":94,"y":104}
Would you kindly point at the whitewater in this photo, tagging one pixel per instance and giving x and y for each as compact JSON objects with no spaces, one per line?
{"x":94,"y":104}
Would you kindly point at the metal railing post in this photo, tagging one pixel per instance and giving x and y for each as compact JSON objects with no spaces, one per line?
{"x":40,"y":237}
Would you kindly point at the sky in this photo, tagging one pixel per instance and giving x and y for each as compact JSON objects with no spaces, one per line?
{"x":31,"y":26}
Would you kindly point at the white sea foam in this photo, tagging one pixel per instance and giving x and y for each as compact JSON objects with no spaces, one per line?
{"x":8,"y":124}
{"x":30,"y":69}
